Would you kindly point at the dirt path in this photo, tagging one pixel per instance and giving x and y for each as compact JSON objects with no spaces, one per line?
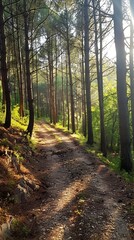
{"x":82,"y":199}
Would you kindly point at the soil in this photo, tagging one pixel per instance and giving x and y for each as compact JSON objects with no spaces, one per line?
{"x":78,"y":198}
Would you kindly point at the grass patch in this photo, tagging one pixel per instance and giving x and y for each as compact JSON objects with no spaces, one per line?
{"x":20,"y":229}
{"x":64,"y":129}
{"x":17,"y":121}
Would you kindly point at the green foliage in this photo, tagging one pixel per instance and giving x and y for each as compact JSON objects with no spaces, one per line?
{"x":18,"y":121}
{"x":113,"y":161}
{"x":82,"y":140}
{"x":4,"y":142}
{"x":18,"y":156}
{"x":20,"y":229}
{"x":111,"y":116}
{"x":2,"y":114}
{"x":60,"y":126}
{"x":32,"y":143}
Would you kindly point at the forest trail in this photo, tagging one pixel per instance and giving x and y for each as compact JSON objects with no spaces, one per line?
{"x":82,"y":199}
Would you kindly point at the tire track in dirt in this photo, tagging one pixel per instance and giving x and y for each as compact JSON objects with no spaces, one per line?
{"x":82,"y":194}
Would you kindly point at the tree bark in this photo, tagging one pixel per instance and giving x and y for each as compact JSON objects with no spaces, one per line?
{"x":83,"y":82}
{"x":67,"y":97}
{"x":28,"y":77}
{"x":124,"y":131}
{"x":100,"y":80}
{"x":87,"y":75}
{"x":132,"y":67}
{"x":70,"y":76}
{"x":5,"y":83}
{"x":51,"y":76}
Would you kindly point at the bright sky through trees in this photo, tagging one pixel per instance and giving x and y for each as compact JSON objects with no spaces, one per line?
{"x":109,"y":41}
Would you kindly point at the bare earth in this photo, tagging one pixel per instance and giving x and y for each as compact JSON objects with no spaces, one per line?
{"x":80,"y":198}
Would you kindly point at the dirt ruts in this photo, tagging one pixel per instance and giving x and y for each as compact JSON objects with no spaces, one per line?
{"x":82,"y":199}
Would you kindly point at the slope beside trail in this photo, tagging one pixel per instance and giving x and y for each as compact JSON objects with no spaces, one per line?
{"x":81,"y":198}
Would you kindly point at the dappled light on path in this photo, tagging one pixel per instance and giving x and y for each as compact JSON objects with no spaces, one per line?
{"x":70,"y":194}
{"x":78,"y":203}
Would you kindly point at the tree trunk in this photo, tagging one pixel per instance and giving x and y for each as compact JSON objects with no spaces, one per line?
{"x":63,"y":104}
{"x":70,"y":76}
{"x":5,"y":83}
{"x":56,"y":77}
{"x":87,"y":75}
{"x":28,"y":77}
{"x":100,"y":80}
{"x":124,"y":131}
{"x":83,"y":83}
{"x":20,"y":66}
{"x":52,"y":92}
{"x":67,"y":97}
{"x":132,"y":67}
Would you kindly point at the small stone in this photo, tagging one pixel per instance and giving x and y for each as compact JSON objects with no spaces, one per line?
{"x":115,"y":205}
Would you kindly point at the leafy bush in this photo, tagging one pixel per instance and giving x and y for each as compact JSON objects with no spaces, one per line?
{"x":17,"y":121}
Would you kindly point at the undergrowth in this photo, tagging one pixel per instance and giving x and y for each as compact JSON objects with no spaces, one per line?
{"x":17,"y":121}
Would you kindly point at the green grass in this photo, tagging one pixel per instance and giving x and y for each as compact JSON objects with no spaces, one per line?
{"x":113,"y":162}
{"x":20,"y":229}
{"x":18,"y":121}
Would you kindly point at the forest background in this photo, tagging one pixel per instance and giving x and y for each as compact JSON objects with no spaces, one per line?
{"x":71,"y":63}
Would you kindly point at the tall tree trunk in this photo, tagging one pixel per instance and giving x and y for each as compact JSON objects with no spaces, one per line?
{"x":83,"y":82}
{"x":67,"y":96}
{"x":37,"y":87}
{"x":20,"y":67}
{"x":70,"y":75}
{"x":63,"y":104}
{"x":124,"y":131}
{"x":14,"y":57}
{"x":51,"y":76}
{"x":99,"y":79}
{"x":87,"y":75}
{"x":132,"y":67}
{"x":71,"y":88}
{"x":5,"y":83}
{"x":56,"y":78}
{"x":28,"y":77}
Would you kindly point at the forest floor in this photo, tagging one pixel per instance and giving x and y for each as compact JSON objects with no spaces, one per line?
{"x":76,"y":197}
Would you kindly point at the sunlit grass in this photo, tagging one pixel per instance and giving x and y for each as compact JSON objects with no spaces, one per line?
{"x":20,"y":125}
{"x":2,"y":116}
{"x":17,"y":121}
{"x":81,"y":139}
{"x":64,"y":129}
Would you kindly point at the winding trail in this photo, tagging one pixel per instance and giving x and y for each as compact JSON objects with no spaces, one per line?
{"x":82,"y":199}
